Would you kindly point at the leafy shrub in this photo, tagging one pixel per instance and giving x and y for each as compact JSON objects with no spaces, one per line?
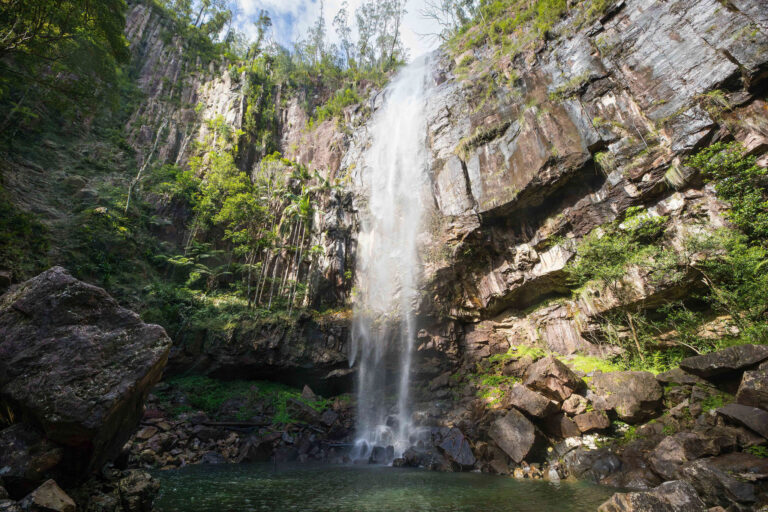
{"x":741,"y":182}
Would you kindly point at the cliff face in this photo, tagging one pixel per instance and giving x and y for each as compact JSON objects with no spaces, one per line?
{"x":596,"y":122}
{"x":182,"y":93}
{"x":563,"y":138}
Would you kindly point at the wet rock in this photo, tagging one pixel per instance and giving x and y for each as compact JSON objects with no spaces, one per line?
{"x":514,"y":434}
{"x":753,"y":390}
{"x":286,"y":454}
{"x":213,"y":458}
{"x":440,"y":381}
{"x":594,"y":465}
{"x":77,"y":364}
{"x":739,"y":357}
{"x":552,"y":378}
{"x":592,"y":421}
{"x":49,"y":497}
{"x":26,"y":457}
{"x":137,"y":491}
{"x":530,"y":402}
{"x":425,"y":457}
{"x":675,"y":496}
{"x":751,"y":417}
{"x":634,"y":396}
{"x":575,"y":404}
{"x":381,"y":455}
{"x":456,"y":448}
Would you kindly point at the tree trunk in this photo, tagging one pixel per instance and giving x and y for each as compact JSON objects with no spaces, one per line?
{"x":291,"y":296}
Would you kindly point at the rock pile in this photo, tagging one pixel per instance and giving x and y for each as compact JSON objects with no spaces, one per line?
{"x":168,"y":442}
{"x":698,"y":428}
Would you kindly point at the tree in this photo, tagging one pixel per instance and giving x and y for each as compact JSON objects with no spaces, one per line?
{"x":262,"y":23}
{"x":450,"y":15}
{"x":57,"y":55}
{"x":378,"y":26}
{"x":344,"y":33}
{"x":315,"y":43}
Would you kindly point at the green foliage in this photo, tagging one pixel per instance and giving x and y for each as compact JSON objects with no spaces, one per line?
{"x":589,"y":364}
{"x":738,"y":282}
{"x":208,"y":395}
{"x":715,"y":400}
{"x":605,"y":254}
{"x":334,"y":107}
{"x":518,"y":352}
{"x":741,"y":182}
{"x":58,"y":60}
{"x":759,"y":451}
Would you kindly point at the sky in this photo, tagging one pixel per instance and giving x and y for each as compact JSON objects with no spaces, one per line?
{"x":292,"y":18}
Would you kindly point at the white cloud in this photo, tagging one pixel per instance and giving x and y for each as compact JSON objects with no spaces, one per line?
{"x":292,"y":18}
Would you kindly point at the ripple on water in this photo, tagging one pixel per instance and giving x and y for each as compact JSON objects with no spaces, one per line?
{"x":324,"y":488}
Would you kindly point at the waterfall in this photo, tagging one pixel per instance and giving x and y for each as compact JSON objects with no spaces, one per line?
{"x":388,"y":267}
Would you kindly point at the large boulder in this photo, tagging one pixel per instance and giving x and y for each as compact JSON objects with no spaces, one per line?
{"x":530,"y":402}
{"x":634,"y":396}
{"x":456,"y":448}
{"x":751,"y":417}
{"x":77,"y":365}
{"x":739,"y":357}
{"x":753,"y":389}
{"x":593,"y":465}
{"x":675,"y":496}
{"x":552,"y":378}
{"x":514,"y":434}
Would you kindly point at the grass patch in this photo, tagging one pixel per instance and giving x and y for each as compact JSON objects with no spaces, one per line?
{"x":257,"y":397}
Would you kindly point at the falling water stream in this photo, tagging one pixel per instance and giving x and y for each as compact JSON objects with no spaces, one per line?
{"x":395,"y":175}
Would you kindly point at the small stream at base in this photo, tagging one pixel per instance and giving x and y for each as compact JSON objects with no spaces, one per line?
{"x":363,"y":488}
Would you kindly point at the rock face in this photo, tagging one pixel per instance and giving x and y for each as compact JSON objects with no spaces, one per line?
{"x":77,"y":364}
{"x":753,"y":389}
{"x":634,"y":396}
{"x":514,"y":434}
{"x":731,"y":359}
{"x":295,"y":353}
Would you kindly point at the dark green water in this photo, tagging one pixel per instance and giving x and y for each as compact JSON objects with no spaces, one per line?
{"x":244,"y":488}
